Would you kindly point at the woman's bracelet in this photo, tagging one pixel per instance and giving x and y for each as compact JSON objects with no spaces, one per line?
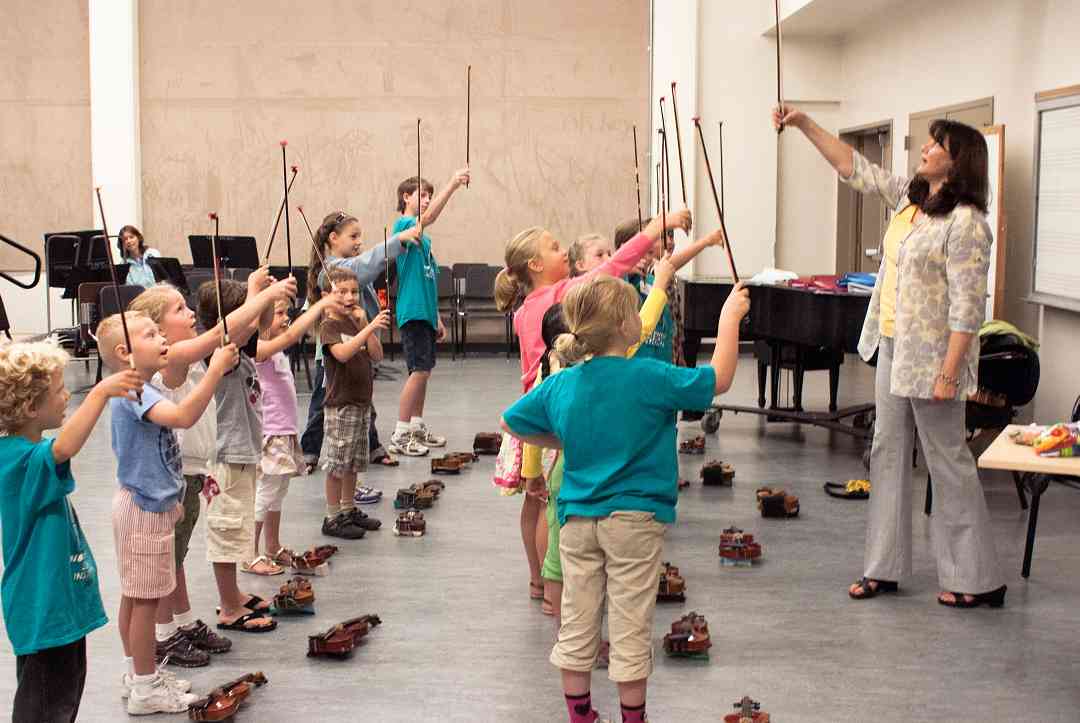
{"x":951,"y":381}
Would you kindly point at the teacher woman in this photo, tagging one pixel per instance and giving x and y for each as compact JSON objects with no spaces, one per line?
{"x":925,"y":312}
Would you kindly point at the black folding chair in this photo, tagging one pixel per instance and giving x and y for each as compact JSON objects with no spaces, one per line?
{"x":477,"y":300}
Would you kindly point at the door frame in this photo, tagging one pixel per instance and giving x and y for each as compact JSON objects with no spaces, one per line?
{"x":847,"y":209}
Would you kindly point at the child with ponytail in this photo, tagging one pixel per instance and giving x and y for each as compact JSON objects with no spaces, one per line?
{"x":614,"y":419}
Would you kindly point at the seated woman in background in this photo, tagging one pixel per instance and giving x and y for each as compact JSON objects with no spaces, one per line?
{"x":134,"y":253}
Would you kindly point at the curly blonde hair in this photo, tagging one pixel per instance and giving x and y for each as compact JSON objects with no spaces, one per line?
{"x":26,"y":370}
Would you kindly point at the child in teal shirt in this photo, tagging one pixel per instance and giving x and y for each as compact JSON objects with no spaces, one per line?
{"x":417,"y":309}
{"x":50,"y":585}
{"x":613,"y":417}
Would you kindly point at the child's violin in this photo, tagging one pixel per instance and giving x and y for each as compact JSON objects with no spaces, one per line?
{"x":749,"y":711}
{"x":340,"y":640}
{"x":223,"y":702}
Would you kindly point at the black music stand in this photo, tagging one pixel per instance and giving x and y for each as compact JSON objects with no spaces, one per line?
{"x":168,"y":269}
{"x":71,"y":259}
{"x":234,"y":252}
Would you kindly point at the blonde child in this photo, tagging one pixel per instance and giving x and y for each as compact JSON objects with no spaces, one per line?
{"x":537,"y":275}
{"x":183,"y":639}
{"x":50,"y":589}
{"x":340,"y":238}
{"x":350,"y":345}
{"x":417,"y":311}
{"x":230,"y":510}
{"x":282,"y":457}
{"x":614,"y":419}
{"x":146,"y":505}
{"x":588,"y":252}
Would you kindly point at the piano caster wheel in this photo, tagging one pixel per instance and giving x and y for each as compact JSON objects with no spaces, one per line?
{"x":711,"y":421}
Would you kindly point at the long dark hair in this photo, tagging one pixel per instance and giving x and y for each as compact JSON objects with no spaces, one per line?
{"x":120,"y":240}
{"x":553,"y":325}
{"x":332,"y":223}
{"x":968,"y":178}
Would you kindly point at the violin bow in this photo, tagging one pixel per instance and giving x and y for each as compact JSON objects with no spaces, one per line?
{"x":637,"y":183}
{"x":779,"y":92}
{"x":663,"y":194}
{"x":678,"y":143}
{"x":716,"y":199}
{"x":277,"y":219}
{"x":285,"y":184}
{"x":665,"y":166}
{"x":217,"y":279}
{"x":115,"y":280}
{"x":721,"y":126}
{"x":468,"y":114}
{"x":659,"y":186}
{"x":386,"y":276}
{"x":419,"y":183}
{"x":314,"y":243}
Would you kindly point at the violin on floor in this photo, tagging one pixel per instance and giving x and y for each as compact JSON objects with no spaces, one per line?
{"x":340,"y":640}
{"x":749,"y":712}
{"x":223,"y":702}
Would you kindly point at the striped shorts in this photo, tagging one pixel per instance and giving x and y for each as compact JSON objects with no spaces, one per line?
{"x":144,"y":547}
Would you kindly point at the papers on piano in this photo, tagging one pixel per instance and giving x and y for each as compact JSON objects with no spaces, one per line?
{"x":772,"y":277}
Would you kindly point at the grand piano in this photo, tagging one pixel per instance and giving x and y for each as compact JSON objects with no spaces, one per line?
{"x":800,"y":329}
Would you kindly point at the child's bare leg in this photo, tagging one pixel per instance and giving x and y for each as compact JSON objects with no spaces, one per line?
{"x":531,"y":511}
{"x":164,"y":612}
{"x":333,"y":490}
{"x":411,"y":403}
{"x":178,"y":598}
{"x":632,"y":694}
{"x":141,"y":634}
{"x":258,"y":533}
{"x":273,"y":530}
{"x":123,"y":620}
{"x":346,"y":489}
{"x":553,"y":594}
{"x":541,"y":537}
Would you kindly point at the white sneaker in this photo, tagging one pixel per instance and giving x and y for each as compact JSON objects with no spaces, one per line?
{"x":163,"y":698}
{"x":406,"y":445}
{"x":170,"y":677}
{"x":424,"y":436}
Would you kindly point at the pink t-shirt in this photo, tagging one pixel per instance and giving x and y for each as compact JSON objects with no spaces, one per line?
{"x":278,"y":395}
{"x":530,"y":317}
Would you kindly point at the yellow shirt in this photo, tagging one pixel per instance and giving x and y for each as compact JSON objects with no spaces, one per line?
{"x":898,"y":230}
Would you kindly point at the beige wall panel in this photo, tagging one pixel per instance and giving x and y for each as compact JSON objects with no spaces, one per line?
{"x":45,"y":117}
{"x":556,"y":87}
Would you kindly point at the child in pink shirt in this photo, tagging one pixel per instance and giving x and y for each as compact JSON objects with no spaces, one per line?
{"x":537,"y":274}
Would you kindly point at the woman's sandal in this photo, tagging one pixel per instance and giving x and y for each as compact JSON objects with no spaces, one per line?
{"x":868,"y":592}
{"x":241,"y":625}
{"x":269,"y":567}
{"x":856,"y":489}
{"x":994,"y":598}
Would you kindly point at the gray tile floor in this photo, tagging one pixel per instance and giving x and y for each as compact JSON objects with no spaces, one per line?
{"x":461,"y":641}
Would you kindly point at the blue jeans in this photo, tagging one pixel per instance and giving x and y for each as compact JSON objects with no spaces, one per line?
{"x":312,"y":439}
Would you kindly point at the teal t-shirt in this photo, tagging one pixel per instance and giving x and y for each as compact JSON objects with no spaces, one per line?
{"x":616,"y":420}
{"x":660,"y":343}
{"x":50,"y":583}
{"x":418,"y":287}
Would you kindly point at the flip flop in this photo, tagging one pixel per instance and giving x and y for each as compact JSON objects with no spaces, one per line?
{"x":239,"y":624}
{"x":856,"y":489}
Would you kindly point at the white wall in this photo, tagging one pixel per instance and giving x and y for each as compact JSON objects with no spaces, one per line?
{"x":927,"y":54}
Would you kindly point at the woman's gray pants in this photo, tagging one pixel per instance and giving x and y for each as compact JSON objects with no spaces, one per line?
{"x":960,"y":525}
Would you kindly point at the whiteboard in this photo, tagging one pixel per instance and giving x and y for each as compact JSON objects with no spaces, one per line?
{"x":1056,"y":278}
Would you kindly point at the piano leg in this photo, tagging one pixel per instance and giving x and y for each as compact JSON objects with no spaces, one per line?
{"x":799,"y":374}
{"x":762,"y":373}
{"x":834,"y":385}
{"x":774,"y":389}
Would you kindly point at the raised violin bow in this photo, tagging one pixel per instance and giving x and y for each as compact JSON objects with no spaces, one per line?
{"x":217,"y":279}
{"x":285,"y":184}
{"x":419,"y":183}
{"x":637,"y":183}
{"x":314,"y":243}
{"x":779,"y":91}
{"x":721,"y":126}
{"x":386,"y":273}
{"x":716,"y":199}
{"x":115,"y":282}
{"x":678,"y":142}
{"x":468,"y":113}
{"x":663,"y":193}
{"x":665,"y":165}
{"x":277,"y":219}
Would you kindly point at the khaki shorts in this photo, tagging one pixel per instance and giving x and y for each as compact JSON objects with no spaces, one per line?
{"x":186,"y":525}
{"x":230,"y":514}
{"x":620,"y":553}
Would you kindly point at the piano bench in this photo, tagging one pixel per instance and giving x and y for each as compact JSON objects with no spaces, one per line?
{"x":798,"y":358}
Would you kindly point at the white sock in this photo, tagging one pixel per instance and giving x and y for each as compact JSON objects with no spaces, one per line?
{"x":401,"y":428}
{"x":164,"y":631}
{"x":129,"y":663}
{"x":184,"y":620}
{"x":141,"y":684}
{"x":416,"y":423}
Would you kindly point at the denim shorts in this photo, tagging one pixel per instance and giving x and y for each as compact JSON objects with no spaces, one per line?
{"x":418,"y":343}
